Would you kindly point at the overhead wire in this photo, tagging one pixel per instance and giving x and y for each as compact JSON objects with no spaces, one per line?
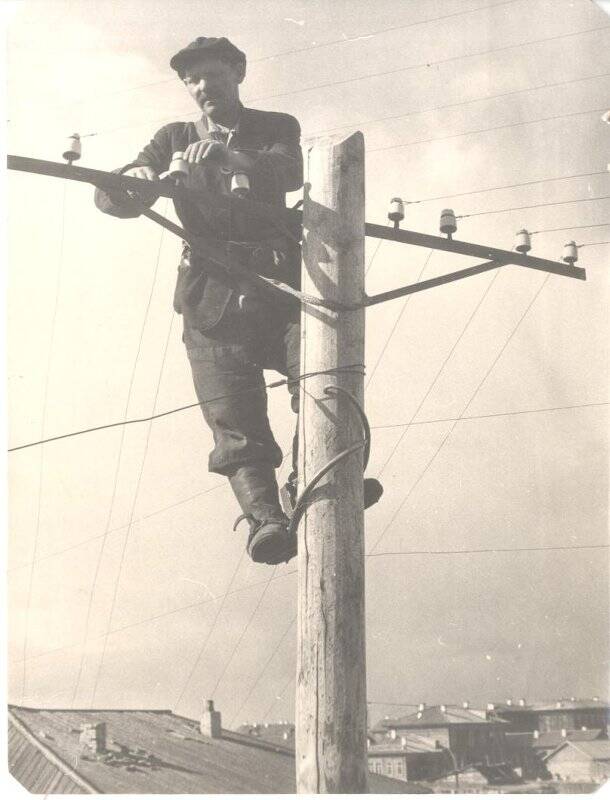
{"x":100,"y":664}
{"x":484,"y":130}
{"x":392,"y":117}
{"x":359,"y":78}
{"x":569,"y":547}
{"x":45,"y":397}
{"x":117,"y":469}
{"x":397,"y":322}
{"x":344,"y":40}
{"x":536,"y":205}
{"x":428,"y":64}
{"x":472,"y":397}
{"x":488,"y":416}
{"x":264,"y":669}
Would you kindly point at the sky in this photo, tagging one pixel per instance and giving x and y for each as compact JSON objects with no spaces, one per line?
{"x":119,"y":542}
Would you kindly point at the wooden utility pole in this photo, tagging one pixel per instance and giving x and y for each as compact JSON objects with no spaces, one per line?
{"x":331,"y":672}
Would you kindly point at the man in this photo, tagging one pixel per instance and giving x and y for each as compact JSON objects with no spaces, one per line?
{"x":231,"y":332}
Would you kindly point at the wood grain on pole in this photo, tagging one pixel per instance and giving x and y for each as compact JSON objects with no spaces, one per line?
{"x":331,"y":674}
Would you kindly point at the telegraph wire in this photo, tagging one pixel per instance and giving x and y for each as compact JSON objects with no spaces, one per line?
{"x":45,"y":394}
{"x":572,"y":228}
{"x":448,"y":434}
{"x":56,"y":553}
{"x":397,"y":321}
{"x":278,"y":697}
{"x":458,"y":104}
{"x":485,"y":130}
{"x":132,"y":512}
{"x":536,"y":205}
{"x":210,"y":631}
{"x":592,"y":244}
{"x":513,"y":186}
{"x":243,"y":633}
{"x":442,"y":18}
{"x":413,"y":424}
{"x":200,"y":603}
{"x":441,"y":368}
{"x":184,"y":500}
{"x":427,"y":64}
{"x":264,"y":669}
{"x":117,"y":468}
{"x":379,"y":243}
{"x":272,"y":385}
{"x":367,"y":34}
{"x":489,"y":550}
{"x":489,"y":416}
{"x":352,"y":80}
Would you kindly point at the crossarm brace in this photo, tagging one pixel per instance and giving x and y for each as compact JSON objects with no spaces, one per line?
{"x":429,"y":284}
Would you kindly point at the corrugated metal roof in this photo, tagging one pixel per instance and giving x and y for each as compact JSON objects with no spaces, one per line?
{"x":152,"y":752}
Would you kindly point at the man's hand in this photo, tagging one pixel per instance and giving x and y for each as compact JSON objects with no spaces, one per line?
{"x":211,"y":151}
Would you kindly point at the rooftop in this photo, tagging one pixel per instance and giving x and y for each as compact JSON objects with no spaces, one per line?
{"x":437,"y":716}
{"x":565,"y":704}
{"x":149,"y":752}
{"x":596,"y":751}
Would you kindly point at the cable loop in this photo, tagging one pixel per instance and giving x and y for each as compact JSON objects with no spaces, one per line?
{"x":301,"y":503}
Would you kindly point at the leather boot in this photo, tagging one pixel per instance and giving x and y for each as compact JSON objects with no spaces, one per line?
{"x":256,"y":491}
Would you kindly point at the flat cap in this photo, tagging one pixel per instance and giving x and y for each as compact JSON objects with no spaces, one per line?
{"x":212,"y":46}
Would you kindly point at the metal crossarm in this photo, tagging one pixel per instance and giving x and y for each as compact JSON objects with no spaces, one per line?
{"x":493,"y":256}
{"x":476,"y":250}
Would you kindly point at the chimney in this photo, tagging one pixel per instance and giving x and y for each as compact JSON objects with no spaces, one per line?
{"x":393,"y":733}
{"x":403,"y":741}
{"x":421,"y":707}
{"x":509,"y":701}
{"x":210,"y":721}
{"x":558,"y":704}
{"x":564,"y":733}
{"x":572,"y":699}
{"x":491,"y":707}
{"x":93,"y":736}
{"x":536,"y":734}
{"x":443,"y":708}
{"x":596,"y":699}
{"x":522,"y":702}
{"x":466,"y":704}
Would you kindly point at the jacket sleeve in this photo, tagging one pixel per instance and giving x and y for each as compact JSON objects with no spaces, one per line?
{"x":157,"y":154}
{"x":282,"y":159}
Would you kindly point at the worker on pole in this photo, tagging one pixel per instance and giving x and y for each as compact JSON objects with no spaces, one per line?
{"x":231,"y":331}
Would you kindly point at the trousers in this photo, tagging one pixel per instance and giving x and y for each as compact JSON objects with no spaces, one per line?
{"x":227,"y":363}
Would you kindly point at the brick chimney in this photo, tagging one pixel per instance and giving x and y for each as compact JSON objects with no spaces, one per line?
{"x":93,"y":736}
{"x":210,"y":721}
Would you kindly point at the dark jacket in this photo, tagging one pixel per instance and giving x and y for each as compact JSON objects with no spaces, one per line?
{"x":203,"y":292}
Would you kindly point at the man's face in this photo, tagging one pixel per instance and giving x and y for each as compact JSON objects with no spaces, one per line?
{"x":214,"y":85}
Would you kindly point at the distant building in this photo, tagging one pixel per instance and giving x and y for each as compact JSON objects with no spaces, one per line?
{"x":462,"y":735}
{"x":566,"y":714}
{"x":408,"y":758}
{"x":580,"y":762}
{"x":113,"y":751}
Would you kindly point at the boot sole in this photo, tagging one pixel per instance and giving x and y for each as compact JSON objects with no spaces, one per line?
{"x":272,"y":549}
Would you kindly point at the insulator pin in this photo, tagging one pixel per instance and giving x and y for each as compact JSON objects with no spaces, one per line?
{"x":448,"y":223}
{"x":570,"y":253}
{"x":178,"y":168}
{"x":240,"y":184}
{"x":524,"y":242}
{"x":73,"y":149}
{"x":397,"y":211}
